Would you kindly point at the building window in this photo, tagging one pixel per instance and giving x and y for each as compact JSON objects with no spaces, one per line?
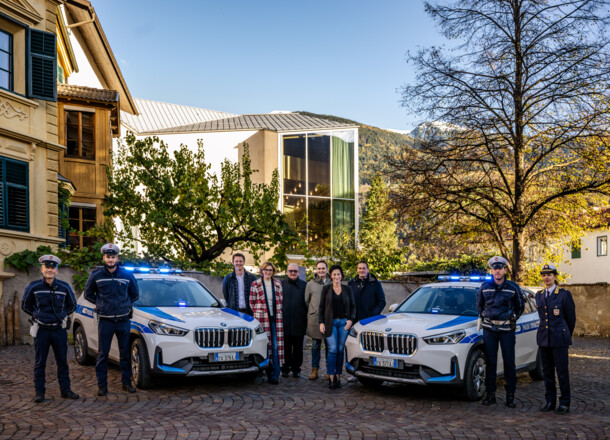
{"x":576,"y":250}
{"x":81,"y":220}
{"x":602,"y":246}
{"x":318,"y":187}
{"x":6,"y":60}
{"x":80,"y":134}
{"x":14,"y":205}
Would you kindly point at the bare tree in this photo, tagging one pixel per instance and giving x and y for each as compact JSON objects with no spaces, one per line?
{"x":528,"y":90}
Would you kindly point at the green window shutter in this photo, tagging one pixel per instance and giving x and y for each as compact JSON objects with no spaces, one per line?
{"x":42,"y":65}
{"x":15,"y":197}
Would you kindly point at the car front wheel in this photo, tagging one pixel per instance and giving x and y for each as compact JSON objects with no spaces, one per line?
{"x":81,"y":348}
{"x":474,"y":376}
{"x":140,"y":366}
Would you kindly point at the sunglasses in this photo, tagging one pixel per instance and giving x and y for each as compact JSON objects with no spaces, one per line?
{"x":293,"y":271}
{"x":50,"y":265}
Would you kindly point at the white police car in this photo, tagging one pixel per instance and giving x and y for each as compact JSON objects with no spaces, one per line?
{"x":432,"y":338}
{"x":178,"y":328}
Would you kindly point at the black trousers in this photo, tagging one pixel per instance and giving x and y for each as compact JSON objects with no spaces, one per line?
{"x":107,"y":328}
{"x":556,"y":359}
{"x":293,"y":354}
{"x":57,"y":338}
{"x":506,"y":340}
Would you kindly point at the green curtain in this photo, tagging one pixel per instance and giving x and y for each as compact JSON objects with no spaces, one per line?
{"x":343,"y":219}
{"x":342,"y":168}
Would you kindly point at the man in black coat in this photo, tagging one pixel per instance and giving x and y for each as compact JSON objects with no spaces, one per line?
{"x":236,"y":286}
{"x":368,"y":293}
{"x":295,"y":321}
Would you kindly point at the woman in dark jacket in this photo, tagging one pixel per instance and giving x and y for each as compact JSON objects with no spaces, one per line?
{"x":337,"y":314}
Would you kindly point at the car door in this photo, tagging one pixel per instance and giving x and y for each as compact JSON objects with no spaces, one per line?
{"x":527,"y":325}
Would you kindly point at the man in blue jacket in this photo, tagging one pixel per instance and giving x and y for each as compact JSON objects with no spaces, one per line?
{"x":368,"y":293}
{"x":113,"y":290}
{"x":500,"y":303}
{"x":50,"y":302}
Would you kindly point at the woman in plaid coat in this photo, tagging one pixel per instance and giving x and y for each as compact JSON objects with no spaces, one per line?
{"x":266,"y":304}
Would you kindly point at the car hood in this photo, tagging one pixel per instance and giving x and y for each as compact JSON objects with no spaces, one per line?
{"x":420,"y":324}
{"x":195,"y":317}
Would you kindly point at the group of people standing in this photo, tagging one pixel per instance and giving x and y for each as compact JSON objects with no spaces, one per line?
{"x":324,"y":309}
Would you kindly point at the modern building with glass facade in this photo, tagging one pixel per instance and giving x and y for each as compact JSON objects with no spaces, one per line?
{"x":316,"y":160}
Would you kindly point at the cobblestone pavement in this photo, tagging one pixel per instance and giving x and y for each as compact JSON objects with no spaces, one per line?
{"x":296,"y":408}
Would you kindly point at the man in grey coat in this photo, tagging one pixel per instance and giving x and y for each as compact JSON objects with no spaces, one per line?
{"x":312,"y":299}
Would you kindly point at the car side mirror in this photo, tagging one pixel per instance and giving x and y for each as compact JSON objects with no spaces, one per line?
{"x":393,"y":307}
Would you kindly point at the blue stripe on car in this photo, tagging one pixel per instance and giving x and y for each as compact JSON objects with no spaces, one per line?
{"x":159,"y":313}
{"x":371,"y":319}
{"x":238,"y":314}
{"x":445,"y":378}
{"x":140,"y":327}
{"x":456,"y":321}
{"x":167,"y":368}
{"x":85,"y":311}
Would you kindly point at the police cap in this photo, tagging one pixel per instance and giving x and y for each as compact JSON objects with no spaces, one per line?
{"x":548,"y":268}
{"x":50,"y":260}
{"x":110,"y":249}
{"x":497,"y":262}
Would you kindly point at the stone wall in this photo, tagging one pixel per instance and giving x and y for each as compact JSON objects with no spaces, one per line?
{"x":592,"y":309}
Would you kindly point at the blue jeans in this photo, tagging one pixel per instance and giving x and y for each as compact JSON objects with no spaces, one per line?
{"x":336,"y":347}
{"x":273,"y":372}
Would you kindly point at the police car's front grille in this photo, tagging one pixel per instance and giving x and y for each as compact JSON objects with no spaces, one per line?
{"x":372,"y":341}
{"x":240,"y":337}
{"x":406,"y":373}
{"x":402,"y":344}
{"x":210,"y":337}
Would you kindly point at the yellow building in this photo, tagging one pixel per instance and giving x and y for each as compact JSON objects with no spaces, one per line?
{"x":29,"y":147}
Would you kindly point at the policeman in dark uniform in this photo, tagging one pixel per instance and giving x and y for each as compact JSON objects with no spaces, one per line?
{"x":50,"y":302}
{"x":113,"y":290}
{"x":557,"y":321}
{"x":500,"y":303}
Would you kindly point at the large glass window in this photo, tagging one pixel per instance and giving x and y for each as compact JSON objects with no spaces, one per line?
{"x":6,"y":60}
{"x":319,"y":189}
{"x":80,"y":134}
{"x":81,"y":220}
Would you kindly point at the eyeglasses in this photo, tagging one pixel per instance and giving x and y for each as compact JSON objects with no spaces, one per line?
{"x":267,"y":270}
{"x":292,"y":271}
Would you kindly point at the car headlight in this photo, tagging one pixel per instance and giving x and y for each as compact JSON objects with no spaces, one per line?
{"x":259,"y":330}
{"x":446,"y":338}
{"x":161,"y":328}
{"x":353,"y":332}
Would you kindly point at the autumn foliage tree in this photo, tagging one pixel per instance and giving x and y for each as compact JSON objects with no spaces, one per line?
{"x":183,"y":211}
{"x":526,"y":95}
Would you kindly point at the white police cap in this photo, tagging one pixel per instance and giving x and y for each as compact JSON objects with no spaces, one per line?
{"x":50,"y":259}
{"x":110,"y":249}
{"x":497,"y":262}
{"x":548,"y":268}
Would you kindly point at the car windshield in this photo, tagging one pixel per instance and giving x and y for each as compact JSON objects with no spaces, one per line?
{"x":442,"y":300}
{"x":172,"y":292}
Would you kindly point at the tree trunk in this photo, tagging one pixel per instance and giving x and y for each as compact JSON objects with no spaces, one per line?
{"x":16,"y":321}
{"x":518,"y":256}
{"x":9,"y":323}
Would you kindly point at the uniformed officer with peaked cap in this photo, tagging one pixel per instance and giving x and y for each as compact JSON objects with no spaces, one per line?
{"x":500,"y":303}
{"x":557,"y":321}
{"x":50,"y":302}
{"x":113,"y":290}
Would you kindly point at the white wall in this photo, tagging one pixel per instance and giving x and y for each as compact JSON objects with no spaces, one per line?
{"x":589,"y":268}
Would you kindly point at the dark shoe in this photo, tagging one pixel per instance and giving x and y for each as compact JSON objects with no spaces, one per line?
{"x":39,"y":398}
{"x":69,"y":395}
{"x":549,"y":406}
{"x":562,"y":409}
{"x":129,"y":388}
{"x":285,"y":374}
{"x":296,"y":375}
{"x":337,"y":382}
{"x":489,"y":399}
{"x":331,"y":384}
{"x":273,"y":381}
{"x":510,"y":400}
{"x":102,"y":391}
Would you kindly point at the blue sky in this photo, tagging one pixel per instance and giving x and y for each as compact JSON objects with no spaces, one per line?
{"x":346,"y":58}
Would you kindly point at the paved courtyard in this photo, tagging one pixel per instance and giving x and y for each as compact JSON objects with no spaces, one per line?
{"x":296,"y":408}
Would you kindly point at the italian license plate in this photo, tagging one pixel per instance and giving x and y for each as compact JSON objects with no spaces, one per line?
{"x":388,"y":363}
{"x":226,"y":357}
